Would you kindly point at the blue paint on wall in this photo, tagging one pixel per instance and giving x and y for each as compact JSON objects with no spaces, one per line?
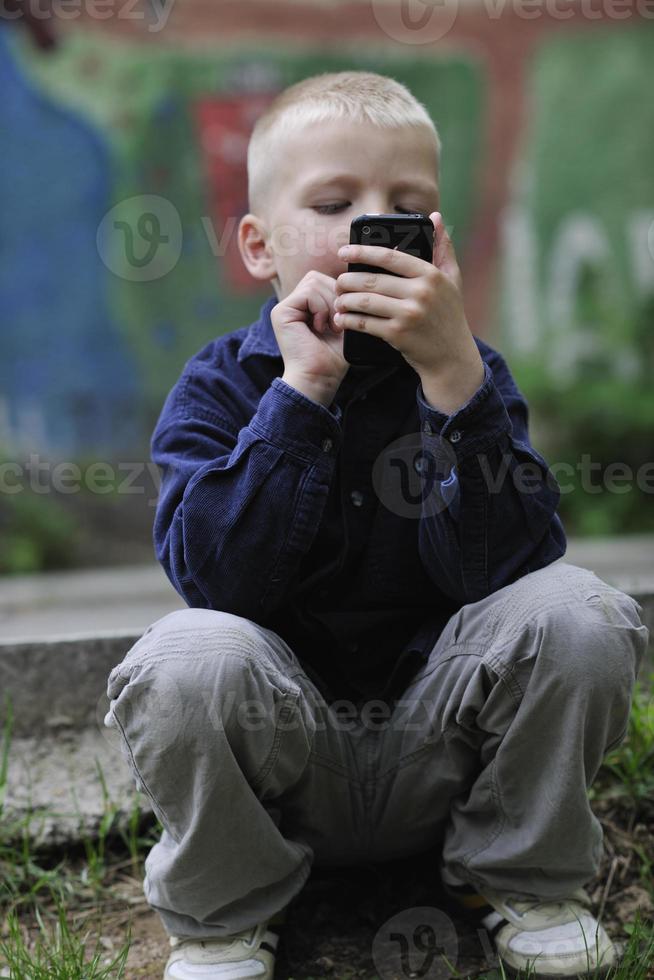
{"x":68,"y":381}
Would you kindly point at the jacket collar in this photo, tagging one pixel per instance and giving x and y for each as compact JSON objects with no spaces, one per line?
{"x":260,"y":337}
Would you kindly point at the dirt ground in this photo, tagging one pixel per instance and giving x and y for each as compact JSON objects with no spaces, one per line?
{"x":332,"y":924}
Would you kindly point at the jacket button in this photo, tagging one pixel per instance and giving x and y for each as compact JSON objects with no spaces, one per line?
{"x":356,"y":497}
{"x":455,"y":436}
{"x":426,"y":427}
{"x":327,"y":445}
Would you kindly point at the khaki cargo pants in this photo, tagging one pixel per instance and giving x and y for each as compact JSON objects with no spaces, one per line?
{"x":491,"y":748}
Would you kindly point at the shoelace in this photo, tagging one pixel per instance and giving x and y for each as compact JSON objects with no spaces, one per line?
{"x":246,"y":934}
{"x":523,"y":906}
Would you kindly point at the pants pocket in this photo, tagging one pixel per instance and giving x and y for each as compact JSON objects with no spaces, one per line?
{"x":290,"y":749}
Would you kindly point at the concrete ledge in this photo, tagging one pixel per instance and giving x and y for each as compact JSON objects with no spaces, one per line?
{"x":65,"y":767}
{"x":59,"y":683}
{"x":93,"y":602}
{"x":64,"y":783}
{"x":61,"y":636}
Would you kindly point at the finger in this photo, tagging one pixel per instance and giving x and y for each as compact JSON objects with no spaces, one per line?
{"x":444,"y":254}
{"x":328,"y":292}
{"x":315,"y":298}
{"x":391,"y":259}
{"x":369,"y":304}
{"x":369,"y":323}
{"x":328,"y":325}
{"x":323,"y":292}
{"x":379,"y":282}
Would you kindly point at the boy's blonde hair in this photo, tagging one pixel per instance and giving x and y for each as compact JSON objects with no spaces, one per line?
{"x":362,"y":96}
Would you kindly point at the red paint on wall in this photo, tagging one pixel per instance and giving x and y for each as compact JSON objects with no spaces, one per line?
{"x":224,"y":125}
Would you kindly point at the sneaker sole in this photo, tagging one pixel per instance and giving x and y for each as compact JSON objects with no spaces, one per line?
{"x":595,"y":974}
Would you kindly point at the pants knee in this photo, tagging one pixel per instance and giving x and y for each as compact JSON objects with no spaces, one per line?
{"x":180,"y":631}
{"x":610,"y":638}
{"x":197,"y":683}
{"x":193,"y":666}
{"x":579,"y":643}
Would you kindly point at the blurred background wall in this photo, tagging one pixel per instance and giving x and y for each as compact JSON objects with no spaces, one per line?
{"x":123,"y":139}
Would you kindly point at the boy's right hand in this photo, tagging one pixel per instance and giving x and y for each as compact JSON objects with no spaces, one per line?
{"x":309,"y":341}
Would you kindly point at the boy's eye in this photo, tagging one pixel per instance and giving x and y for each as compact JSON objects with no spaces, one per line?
{"x":329,"y":208}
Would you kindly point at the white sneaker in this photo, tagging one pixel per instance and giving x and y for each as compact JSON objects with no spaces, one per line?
{"x":247,"y":955}
{"x":554,"y":939}
{"x":558,"y":939}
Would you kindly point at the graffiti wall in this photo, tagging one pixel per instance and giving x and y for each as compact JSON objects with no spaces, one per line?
{"x":122,"y":179}
{"x":579,"y":226}
{"x":132,"y":264}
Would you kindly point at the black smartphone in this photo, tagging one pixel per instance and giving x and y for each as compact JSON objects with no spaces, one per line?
{"x":412,"y":233}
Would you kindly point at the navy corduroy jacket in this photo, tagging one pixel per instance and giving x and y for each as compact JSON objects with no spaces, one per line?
{"x":354,"y":531}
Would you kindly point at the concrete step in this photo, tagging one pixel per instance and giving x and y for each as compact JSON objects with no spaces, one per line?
{"x":62,"y":634}
{"x":63,"y":782}
{"x":93,"y":602}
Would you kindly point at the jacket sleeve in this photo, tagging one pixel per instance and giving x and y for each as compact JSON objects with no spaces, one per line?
{"x":238,"y":507}
{"x":490,"y":516}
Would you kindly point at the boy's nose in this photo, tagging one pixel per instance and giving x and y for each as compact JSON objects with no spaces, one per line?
{"x":376,"y":204}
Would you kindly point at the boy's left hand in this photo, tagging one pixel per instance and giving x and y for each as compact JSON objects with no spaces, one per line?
{"x":421,"y":314}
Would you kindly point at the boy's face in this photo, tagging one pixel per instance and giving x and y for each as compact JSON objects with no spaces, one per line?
{"x":331,"y":173}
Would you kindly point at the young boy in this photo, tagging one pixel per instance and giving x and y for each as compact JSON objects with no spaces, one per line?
{"x":363,"y":669}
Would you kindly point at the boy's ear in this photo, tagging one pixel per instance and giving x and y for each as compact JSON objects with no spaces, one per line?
{"x":254,"y":248}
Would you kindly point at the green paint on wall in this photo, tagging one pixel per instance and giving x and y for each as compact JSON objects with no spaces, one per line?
{"x":141,"y":99}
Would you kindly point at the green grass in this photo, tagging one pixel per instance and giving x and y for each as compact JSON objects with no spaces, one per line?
{"x":59,"y":954}
{"x":67,"y":897}
{"x":632,"y":763}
